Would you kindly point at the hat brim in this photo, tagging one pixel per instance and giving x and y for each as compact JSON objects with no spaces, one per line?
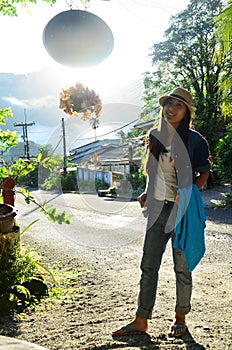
{"x":162,"y":99}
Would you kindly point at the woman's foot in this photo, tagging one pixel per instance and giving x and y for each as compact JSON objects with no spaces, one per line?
{"x":137,"y":327}
{"x":178,"y":327}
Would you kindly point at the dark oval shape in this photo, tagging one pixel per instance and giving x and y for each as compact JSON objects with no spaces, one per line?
{"x":78,"y":38}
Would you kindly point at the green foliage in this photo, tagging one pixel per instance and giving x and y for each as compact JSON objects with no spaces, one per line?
{"x":48,"y":210}
{"x":227,"y":202}
{"x":185,"y":58}
{"x":53,"y":216}
{"x":21,"y":281}
{"x":51,"y":183}
{"x":223,"y":28}
{"x":8,"y":138}
{"x":19,"y":168}
{"x":36,"y":286}
{"x":69,"y":181}
{"x":15,"y":269}
{"x":223,"y":155}
{"x":9,"y":7}
{"x":223,"y":35}
{"x":101,"y":184}
{"x":21,"y":292}
{"x":8,"y":302}
{"x":51,"y":163}
{"x":5,"y":114}
{"x":137,"y":181}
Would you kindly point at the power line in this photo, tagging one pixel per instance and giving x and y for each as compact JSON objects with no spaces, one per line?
{"x":110,"y":132}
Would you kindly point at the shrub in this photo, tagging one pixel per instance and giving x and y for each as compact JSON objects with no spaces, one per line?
{"x":69,"y":181}
{"x":223,"y":155}
{"x":15,"y":269}
{"x":52,"y":183}
{"x":137,"y":181}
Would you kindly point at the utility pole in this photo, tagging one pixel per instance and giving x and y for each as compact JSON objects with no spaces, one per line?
{"x":25,"y":136}
{"x":64,"y":149}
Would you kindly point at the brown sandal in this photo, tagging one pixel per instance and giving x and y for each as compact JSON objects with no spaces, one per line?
{"x":126,"y":330}
{"x":177,"y":330}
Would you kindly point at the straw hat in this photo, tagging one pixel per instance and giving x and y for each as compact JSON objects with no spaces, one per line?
{"x":179,"y":94}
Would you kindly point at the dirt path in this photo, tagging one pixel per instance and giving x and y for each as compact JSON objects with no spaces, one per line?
{"x":103,"y":295}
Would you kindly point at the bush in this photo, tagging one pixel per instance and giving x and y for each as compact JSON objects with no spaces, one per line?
{"x":101,"y":184}
{"x":69,"y":181}
{"x":15,"y":269}
{"x":137,"y":181}
{"x":21,"y":283}
{"x":223,"y":156}
{"x":52,"y":183}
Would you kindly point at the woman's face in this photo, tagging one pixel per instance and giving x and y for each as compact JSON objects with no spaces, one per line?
{"x":174,"y":111}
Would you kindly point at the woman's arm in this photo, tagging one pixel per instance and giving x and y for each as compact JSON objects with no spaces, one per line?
{"x":201,"y":179}
{"x":142,"y":199}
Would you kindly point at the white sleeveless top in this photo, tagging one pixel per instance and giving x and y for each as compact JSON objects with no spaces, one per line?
{"x":165,"y":186}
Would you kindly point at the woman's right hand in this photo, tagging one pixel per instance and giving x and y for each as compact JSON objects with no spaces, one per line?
{"x":142,"y":199}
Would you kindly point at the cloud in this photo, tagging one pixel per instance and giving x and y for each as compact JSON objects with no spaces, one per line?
{"x":32,"y":103}
{"x":14,"y":101}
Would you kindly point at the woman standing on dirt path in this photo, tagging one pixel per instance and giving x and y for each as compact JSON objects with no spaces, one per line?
{"x":177,"y":158}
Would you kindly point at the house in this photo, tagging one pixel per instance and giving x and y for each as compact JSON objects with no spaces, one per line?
{"x":145,"y":125}
{"x":106,"y":155}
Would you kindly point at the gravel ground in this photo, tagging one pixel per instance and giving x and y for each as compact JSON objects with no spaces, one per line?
{"x":101,"y":295}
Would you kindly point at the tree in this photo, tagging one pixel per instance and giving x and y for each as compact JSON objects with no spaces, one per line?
{"x":9,"y":7}
{"x":223,"y":34}
{"x":224,"y":162}
{"x":224,"y":151}
{"x":186,"y":58}
{"x":8,"y":138}
{"x":94,"y":122}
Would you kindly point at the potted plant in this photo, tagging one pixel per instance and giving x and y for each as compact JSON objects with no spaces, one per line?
{"x":79,"y":99}
{"x":7,"y":217}
{"x":15,"y":265}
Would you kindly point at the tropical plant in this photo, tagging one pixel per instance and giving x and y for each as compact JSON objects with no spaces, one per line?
{"x":224,"y":163}
{"x":79,"y":99}
{"x":223,"y":35}
{"x":223,"y":155}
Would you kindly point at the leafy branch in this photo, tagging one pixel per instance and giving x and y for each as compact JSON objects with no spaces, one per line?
{"x":48,"y":210}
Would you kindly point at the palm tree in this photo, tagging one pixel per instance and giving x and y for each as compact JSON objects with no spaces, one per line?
{"x":223,"y":34}
{"x":94,"y":122}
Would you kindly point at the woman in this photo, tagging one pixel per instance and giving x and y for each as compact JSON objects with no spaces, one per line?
{"x":177,"y":158}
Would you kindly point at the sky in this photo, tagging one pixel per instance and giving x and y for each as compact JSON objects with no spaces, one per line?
{"x":135,"y":24}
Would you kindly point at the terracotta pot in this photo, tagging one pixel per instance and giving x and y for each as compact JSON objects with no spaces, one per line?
{"x":7,"y":217}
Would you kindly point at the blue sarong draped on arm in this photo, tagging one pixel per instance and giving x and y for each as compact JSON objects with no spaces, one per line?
{"x":189,"y":226}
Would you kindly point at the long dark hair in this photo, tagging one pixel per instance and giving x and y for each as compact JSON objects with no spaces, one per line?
{"x":159,"y":136}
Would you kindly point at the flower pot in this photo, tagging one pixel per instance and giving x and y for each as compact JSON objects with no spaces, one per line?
{"x":7,"y":218}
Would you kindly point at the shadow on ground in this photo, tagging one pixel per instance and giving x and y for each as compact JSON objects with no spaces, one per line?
{"x":219,"y":215}
{"x":145,"y":342}
{"x":8,"y":326}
